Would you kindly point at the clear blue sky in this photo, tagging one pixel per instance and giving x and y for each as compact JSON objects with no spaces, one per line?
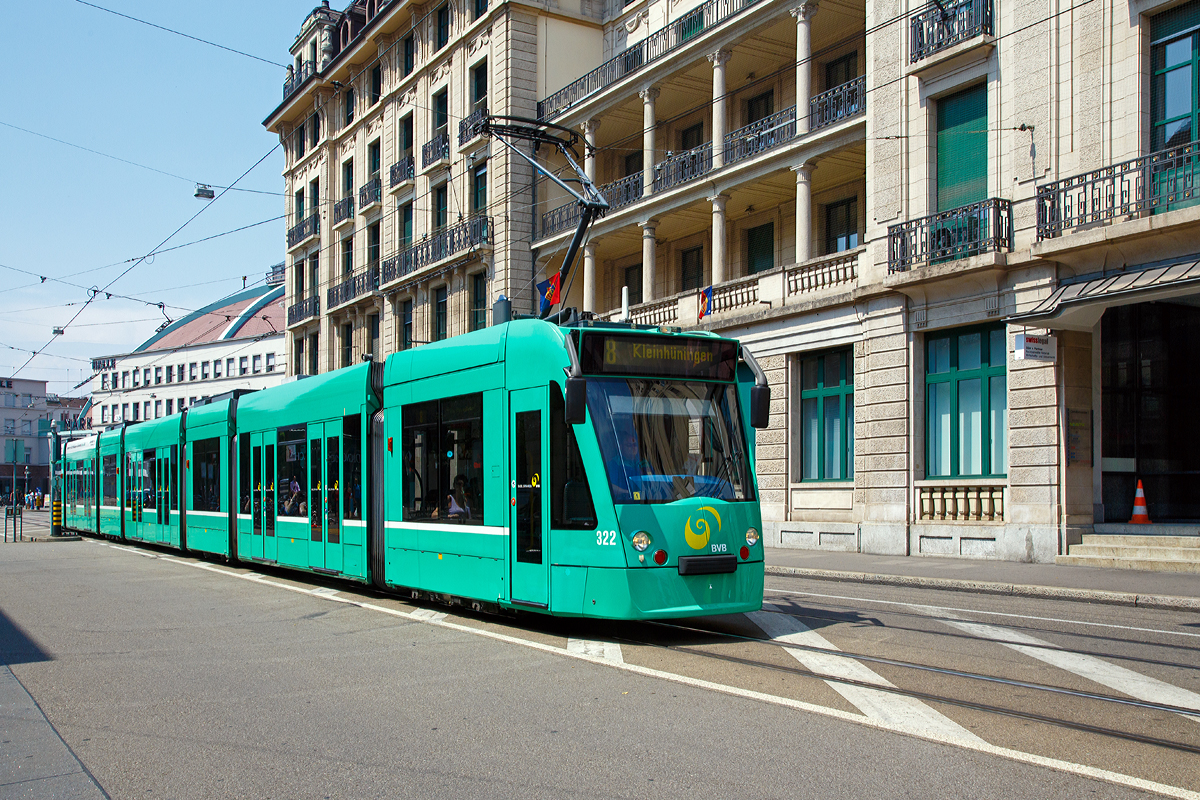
{"x":113,"y":85}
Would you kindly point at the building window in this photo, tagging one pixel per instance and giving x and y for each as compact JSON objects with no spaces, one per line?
{"x":124,"y":412}
{"x":137,"y":408}
{"x":299,"y":206}
{"x":203,"y":370}
{"x":216,"y":368}
{"x":406,"y":225}
{"x":373,"y":245}
{"x":479,"y":84}
{"x":313,"y":360}
{"x":157,"y":409}
{"x":146,"y":376}
{"x":827,"y":416}
{"x":479,"y":301}
{"x":347,"y":344}
{"x":376,"y":83}
{"x":439,"y":313}
{"x":373,"y":161}
{"x":633,"y":164}
{"x":691,"y":137}
{"x":314,"y":130}
{"x":443,"y":26}
{"x":479,"y":188}
{"x":962,"y":148}
{"x":301,"y":141}
{"x":103,"y":416}
{"x":348,"y":255}
{"x":691,"y":272}
{"x":137,"y":374}
{"x":298,"y":356}
{"x":841,"y":71}
{"x":480,"y":8}
{"x":170,"y":374}
{"x":157,"y":375}
{"x":270,"y":362}
{"x":410,"y":54}
{"x":841,"y":226}
{"x":406,"y":136}
{"x":966,"y":430}
{"x":348,"y":178}
{"x":760,"y":107}
{"x":124,"y":383}
{"x":243,"y":365}
{"x":348,"y":106}
{"x":257,"y":364}
{"x":633,"y":279}
{"x":406,"y":324}
{"x":26,"y":427}
{"x":441,"y":112}
{"x":170,"y":406}
{"x":192,"y":371}
{"x":441,"y":207}
{"x":104,"y":382}
{"x":229,"y":368}
{"x":760,"y":248}
{"x":373,"y":335}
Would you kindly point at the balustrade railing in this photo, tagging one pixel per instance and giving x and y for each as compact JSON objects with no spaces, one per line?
{"x":470,"y":127}
{"x":650,"y":49}
{"x":560,"y":219}
{"x":370,"y":193}
{"x":298,"y":312}
{"x":758,"y":137}
{"x":276,"y":275}
{"x":1152,"y":183}
{"x":437,"y":246}
{"x":838,"y":103}
{"x":309,"y":226}
{"x":942,"y":25}
{"x":983,"y":227}
{"x":354,"y":287}
{"x":435,"y":150}
{"x":683,"y":167}
{"x":735,"y":294}
{"x":298,"y":78}
{"x":343,"y":209}
{"x":822,"y":273}
{"x":626,"y":191}
{"x":403,"y":170}
{"x":961,"y":503}
{"x":660,"y":312}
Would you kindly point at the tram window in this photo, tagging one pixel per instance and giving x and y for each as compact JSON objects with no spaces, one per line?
{"x":332,"y":486}
{"x":174,"y":466}
{"x":528,"y":463}
{"x":314,"y":507}
{"x":570,"y":496}
{"x":352,"y":459}
{"x":293,"y":469}
{"x":206,"y":475}
{"x":131,"y":488}
{"x":443,"y":460}
{"x":244,"y":473}
{"x":149,"y":480}
{"x":269,"y":505}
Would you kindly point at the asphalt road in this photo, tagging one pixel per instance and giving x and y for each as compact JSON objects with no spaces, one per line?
{"x":161,"y":676}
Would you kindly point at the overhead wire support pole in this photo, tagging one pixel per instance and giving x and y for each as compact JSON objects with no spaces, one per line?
{"x":592,"y":204}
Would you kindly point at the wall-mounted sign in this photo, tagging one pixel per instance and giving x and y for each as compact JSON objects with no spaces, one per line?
{"x":1035,"y":348}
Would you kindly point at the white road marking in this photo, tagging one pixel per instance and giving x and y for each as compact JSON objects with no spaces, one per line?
{"x":978,"y":745}
{"x":891,"y":709}
{"x":609,"y":651}
{"x":927,"y":608}
{"x":324,"y":591}
{"x":1120,"y":679}
{"x":428,"y":615}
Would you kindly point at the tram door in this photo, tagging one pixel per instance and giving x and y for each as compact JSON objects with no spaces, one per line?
{"x":267,"y":496}
{"x":324,"y":492}
{"x":530,"y":505}
{"x":257,"y":500}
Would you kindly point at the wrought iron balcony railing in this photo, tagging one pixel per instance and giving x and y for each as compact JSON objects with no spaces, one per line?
{"x":370,"y":193}
{"x":971,"y":230}
{"x":469,"y":128}
{"x":758,"y":137}
{"x":354,"y":287}
{"x":435,"y":150}
{"x":683,"y":167}
{"x":309,"y":226}
{"x":939,"y":26}
{"x":343,"y":209}
{"x":298,"y":78}
{"x":1152,"y":183}
{"x":838,"y":103}
{"x":624,"y":192}
{"x":403,"y":170}
{"x":437,"y":246}
{"x":560,"y":219}
{"x":305,"y":309}
{"x":650,"y":49}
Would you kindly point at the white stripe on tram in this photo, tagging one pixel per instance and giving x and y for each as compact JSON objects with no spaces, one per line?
{"x":486,"y":530}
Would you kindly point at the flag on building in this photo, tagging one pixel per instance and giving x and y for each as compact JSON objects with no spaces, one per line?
{"x":548,"y":290}
{"x":705,"y":303}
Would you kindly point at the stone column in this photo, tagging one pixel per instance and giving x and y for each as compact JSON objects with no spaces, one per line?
{"x":719,"y":256}
{"x":589,"y":277}
{"x":589,"y":156}
{"x":648,"y":95}
{"x":803,"y":14}
{"x":648,"y":265}
{"x":719,"y":107}
{"x":803,"y":212}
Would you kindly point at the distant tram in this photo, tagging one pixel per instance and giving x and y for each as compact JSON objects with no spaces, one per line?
{"x":583,"y":469}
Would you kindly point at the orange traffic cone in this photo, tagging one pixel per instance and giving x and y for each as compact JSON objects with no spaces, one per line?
{"x":1140,"y":517}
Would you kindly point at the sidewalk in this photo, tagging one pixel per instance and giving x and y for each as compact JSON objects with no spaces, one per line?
{"x":1167,"y":590}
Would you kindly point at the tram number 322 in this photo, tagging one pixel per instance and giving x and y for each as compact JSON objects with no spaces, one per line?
{"x":606,"y":537}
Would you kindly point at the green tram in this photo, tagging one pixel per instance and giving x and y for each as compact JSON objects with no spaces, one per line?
{"x":590,"y":469}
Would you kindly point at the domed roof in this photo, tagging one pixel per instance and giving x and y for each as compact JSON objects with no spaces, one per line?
{"x":252,"y":312}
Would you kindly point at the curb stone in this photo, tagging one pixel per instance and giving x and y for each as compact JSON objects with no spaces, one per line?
{"x":988,"y":587}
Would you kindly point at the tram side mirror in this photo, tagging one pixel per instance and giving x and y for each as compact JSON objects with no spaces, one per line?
{"x":760,"y":406}
{"x":576,"y":401}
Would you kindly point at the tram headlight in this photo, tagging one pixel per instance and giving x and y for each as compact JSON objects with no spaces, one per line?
{"x":751,"y":536}
{"x":641,"y":541}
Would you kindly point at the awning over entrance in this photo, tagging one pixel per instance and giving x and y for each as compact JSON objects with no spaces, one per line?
{"x":1078,"y":305}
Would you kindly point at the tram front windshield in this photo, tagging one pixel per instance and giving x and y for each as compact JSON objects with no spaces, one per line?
{"x":667,"y":440}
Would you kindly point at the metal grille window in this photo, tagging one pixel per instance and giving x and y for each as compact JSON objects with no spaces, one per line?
{"x":691,"y":263}
{"x":439,"y":313}
{"x":827,"y":416}
{"x":841,"y":226}
{"x":760,"y":248}
{"x":966,"y":401}
{"x":478,"y":301}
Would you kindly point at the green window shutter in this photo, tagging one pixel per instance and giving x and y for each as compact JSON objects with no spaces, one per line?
{"x":962,"y":148}
{"x":760,"y":248}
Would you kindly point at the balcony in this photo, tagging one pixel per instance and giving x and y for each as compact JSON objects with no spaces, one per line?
{"x":1140,"y":187}
{"x":354,"y":287}
{"x":651,"y":49}
{"x":560,"y":219}
{"x":300,"y":232}
{"x":435,"y":150}
{"x":822,"y":273}
{"x":343,"y":209}
{"x":438,"y":246}
{"x":403,"y":171}
{"x":839,"y":103}
{"x":758,"y":137}
{"x":276,"y":275}
{"x":369,"y":195}
{"x":938,"y":27}
{"x":971,"y":230}
{"x":470,"y":127}
{"x":619,"y":194}
{"x":299,"y":76}
{"x":305,"y":309}
{"x":683,"y":167}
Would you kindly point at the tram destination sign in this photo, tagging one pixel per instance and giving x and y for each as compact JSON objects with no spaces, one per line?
{"x":658,"y":356}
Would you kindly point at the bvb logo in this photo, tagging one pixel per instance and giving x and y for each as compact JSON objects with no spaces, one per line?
{"x":698,"y":539}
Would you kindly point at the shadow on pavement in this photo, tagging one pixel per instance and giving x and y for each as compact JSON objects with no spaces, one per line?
{"x":16,"y":646}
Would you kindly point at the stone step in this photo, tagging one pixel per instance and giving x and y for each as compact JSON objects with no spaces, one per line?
{"x":1147,"y":565}
{"x":1116,"y":550}
{"x":1191,"y":542}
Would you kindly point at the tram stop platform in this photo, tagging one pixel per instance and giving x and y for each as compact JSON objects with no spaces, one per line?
{"x":1167,"y":590}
